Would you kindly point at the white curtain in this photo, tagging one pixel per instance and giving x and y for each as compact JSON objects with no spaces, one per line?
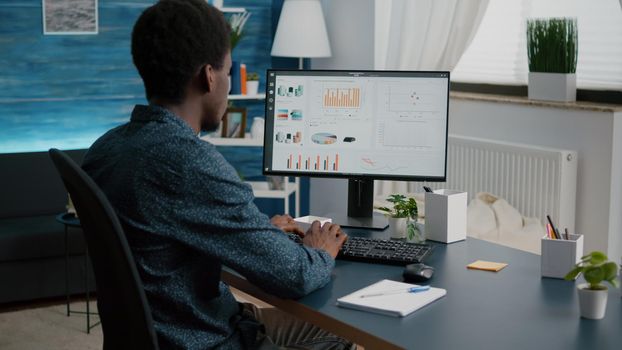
{"x":423,"y":35}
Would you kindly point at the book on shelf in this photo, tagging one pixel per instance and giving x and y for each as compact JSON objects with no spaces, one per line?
{"x":236,"y":87}
{"x":243,"y":78}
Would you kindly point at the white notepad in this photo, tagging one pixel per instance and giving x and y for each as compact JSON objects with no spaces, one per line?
{"x":398,"y":305}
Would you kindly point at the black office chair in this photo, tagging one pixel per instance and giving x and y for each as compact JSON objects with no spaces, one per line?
{"x":123,"y":308}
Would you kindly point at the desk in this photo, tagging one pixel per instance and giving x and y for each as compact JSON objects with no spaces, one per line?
{"x":512,"y":309}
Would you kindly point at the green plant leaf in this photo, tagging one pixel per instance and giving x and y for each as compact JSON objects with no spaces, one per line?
{"x":594,"y":274}
{"x":610,"y":270}
{"x":411,"y":230}
{"x":572,"y":275}
{"x":597,"y":257}
{"x":552,"y":45}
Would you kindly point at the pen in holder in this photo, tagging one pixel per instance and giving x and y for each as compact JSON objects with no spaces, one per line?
{"x":559,"y":256}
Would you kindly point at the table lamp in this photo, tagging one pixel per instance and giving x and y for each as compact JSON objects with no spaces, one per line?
{"x":301,"y":31}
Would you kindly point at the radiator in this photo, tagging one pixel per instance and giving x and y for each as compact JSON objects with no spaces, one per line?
{"x":535,"y":180}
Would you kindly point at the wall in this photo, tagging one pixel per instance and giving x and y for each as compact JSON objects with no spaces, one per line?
{"x":350,"y":25}
{"x":596,"y":136}
{"x":65,"y":91}
{"x":590,"y":133}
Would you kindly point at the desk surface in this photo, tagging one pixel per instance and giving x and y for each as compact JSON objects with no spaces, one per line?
{"x":511,"y":309}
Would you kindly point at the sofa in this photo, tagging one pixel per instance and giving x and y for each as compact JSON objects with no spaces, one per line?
{"x":32,"y":242}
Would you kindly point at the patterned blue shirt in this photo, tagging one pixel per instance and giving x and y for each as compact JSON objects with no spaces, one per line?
{"x":185,"y":213}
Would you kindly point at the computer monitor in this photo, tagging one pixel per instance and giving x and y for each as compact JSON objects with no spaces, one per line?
{"x":359,"y":125}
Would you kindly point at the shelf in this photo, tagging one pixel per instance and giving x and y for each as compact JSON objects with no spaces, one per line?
{"x":233,"y":141}
{"x":232,"y":9}
{"x":261,"y":190}
{"x":248,"y":97}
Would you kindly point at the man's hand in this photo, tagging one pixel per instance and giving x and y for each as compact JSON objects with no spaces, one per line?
{"x":287,"y":224}
{"x":328,"y":237}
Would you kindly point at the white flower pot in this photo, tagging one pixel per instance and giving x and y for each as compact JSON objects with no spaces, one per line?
{"x":552,"y":87}
{"x":252,"y":87}
{"x":592,"y":303}
{"x":398,"y":227}
{"x":257,"y":128}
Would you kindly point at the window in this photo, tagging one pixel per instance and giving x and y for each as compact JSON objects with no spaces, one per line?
{"x":498,"y":53}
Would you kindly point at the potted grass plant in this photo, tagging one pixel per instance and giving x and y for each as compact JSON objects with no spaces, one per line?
{"x":252,"y":83}
{"x":552,"y":46}
{"x":595,"y":268}
{"x":402,"y":217}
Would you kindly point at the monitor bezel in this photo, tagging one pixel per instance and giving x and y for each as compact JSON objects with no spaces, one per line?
{"x":269,"y":127}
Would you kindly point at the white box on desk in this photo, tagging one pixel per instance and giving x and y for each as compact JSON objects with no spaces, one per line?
{"x":446,"y":215}
{"x":559,"y":256}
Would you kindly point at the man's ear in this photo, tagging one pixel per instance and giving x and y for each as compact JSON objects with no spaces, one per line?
{"x":207,"y":77}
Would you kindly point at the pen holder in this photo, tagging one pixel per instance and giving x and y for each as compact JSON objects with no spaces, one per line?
{"x":559,"y":256}
{"x":446,"y":215}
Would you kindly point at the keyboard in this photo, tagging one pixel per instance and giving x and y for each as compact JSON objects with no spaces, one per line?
{"x":383,"y":251}
{"x":379,"y":251}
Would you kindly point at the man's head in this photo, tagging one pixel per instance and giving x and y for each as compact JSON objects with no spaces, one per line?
{"x":181,"y":47}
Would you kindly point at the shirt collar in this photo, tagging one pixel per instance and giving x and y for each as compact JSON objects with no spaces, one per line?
{"x":149,"y":113}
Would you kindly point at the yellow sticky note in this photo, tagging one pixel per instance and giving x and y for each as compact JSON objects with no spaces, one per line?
{"x":486,"y":265}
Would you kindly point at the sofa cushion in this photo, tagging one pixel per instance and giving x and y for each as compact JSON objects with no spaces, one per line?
{"x":37,"y":237}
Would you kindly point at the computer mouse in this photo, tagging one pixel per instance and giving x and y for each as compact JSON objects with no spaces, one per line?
{"x":417,"y":272}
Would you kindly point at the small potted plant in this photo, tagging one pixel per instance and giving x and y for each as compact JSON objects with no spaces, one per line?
{"x":595,"y":268}
{"x":252,"y":83}
{"x":552,"y":54}
{"x":237,"y":22}
{"x":402,"y":217}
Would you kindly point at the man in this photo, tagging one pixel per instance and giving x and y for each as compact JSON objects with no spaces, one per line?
{"x":185,"y":211}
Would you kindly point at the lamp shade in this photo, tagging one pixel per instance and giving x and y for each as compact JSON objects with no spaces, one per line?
{"x":301,"y":31}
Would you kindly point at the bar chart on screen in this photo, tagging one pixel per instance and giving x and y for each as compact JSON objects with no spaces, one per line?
{"x":342,"y":97}
{"x":312,"y":162}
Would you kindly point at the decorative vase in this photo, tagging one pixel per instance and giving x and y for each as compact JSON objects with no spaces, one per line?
{"x":414,"y":233}
{"x":592,"y":303}
{"x":398,"y":227}
{"x":560,"y":87}
{"x":252,"y":87}
{"x":257,"y":128}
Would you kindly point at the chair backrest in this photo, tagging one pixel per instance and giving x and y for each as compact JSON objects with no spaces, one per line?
{"x":122,"y":304}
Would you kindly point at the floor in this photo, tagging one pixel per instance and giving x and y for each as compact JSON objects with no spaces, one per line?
{"x":48,"y":328}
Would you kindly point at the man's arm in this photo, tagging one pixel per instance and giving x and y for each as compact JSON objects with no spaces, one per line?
{"x":219,"y":218}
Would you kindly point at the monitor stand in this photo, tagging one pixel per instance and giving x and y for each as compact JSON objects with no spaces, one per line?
{"x":361,"y":207}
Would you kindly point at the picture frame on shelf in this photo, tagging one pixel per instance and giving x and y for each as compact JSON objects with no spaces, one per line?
{"x":234,"y":122}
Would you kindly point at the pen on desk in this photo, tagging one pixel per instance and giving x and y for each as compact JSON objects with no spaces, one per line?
{"x":427,"y":189}
{"x":398,"y":291}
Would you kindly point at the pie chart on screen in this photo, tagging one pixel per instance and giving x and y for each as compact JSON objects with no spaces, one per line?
{"x":324,"y":138}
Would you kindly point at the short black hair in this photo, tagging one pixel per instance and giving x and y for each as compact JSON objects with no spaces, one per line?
{"x":172,"y":39}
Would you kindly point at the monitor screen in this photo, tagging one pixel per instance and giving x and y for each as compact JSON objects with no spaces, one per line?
{"x":357,"y":124}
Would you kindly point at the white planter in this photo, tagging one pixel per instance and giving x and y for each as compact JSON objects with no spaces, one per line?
{"x":398,"y":227}
{"x":592,"y":303}
{"x":552,"y":86}
{"x":252,"y":87}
